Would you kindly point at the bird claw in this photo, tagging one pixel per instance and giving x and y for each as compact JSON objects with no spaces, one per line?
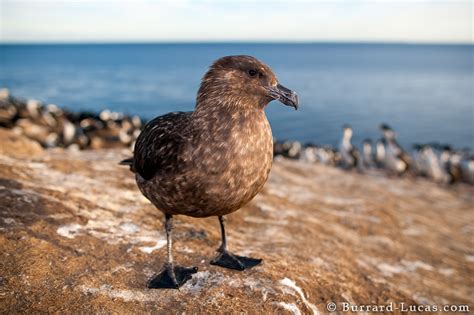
{"x":231,"y":261}
{"x":171,"y":277}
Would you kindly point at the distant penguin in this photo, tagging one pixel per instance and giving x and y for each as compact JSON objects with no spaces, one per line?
{"x":68,"y":132}
{"x":467,"y":169}
{"x":420,"y":164}
{"x":33,"y":107}
{"x":367,"y":154}
{"x":105,"y":115}
{"x":396,"y":159}
{"x":450,"y":162}
{"x":454,"y":167}
{"x":137,"y":122}
{"x":379,"y":153}
{"x":295,"y":150}
{"x":288,"y":149}
{"x":309,"y":153}
{"x":349,"y":155}
{"x":326,"y":155}
{"x":126,"y":134}
{"x":435,"y":168}
{"x":48,"y":116}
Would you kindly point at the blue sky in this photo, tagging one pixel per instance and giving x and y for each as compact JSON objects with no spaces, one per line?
{"x":187,"y":20}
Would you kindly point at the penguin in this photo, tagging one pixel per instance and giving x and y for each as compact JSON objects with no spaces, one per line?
{"x":136,"y":122}
{"x":435,"y":169}
{"x":308,"y":153}
{"x":325,"y":155}
{"x":68,"y":132}
{"x":396,"y":159}
{"x":288,"y":149}
{"x":379,"y":153}
{"x":349,"y":155}
{"x":420,"y":164}
{"x":367,"y":154}
{"x":33,"y":108}
{"x":127,"y":132}
{"x":451,"y":162}
{"x":295,"y":150}
{"x":467,"y":169}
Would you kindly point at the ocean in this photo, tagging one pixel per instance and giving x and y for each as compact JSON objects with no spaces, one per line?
{"x":425,"y":92}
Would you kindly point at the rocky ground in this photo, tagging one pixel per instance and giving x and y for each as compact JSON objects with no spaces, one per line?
{"x":77,"y":236}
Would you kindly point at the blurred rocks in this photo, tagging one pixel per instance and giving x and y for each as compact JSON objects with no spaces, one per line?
{"x":52,"y":126}
{"x":76,"y":236}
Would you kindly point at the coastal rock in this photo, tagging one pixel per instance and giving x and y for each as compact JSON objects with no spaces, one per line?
{"x":77,"y":236}
{"x":52,"y":126}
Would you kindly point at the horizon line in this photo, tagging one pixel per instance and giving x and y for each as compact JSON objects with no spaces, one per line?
{"x":197,"y":42}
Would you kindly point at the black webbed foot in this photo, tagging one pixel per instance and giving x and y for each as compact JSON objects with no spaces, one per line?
{"x":231,"y":261}
{"x":171,"y":277}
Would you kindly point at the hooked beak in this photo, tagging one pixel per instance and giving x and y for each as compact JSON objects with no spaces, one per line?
{"x":284,"y":95}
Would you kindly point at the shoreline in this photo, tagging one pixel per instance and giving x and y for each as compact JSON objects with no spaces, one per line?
{"x":52,"y":126}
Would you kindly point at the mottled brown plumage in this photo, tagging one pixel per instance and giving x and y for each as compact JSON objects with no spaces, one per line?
{"x":212,"y":161}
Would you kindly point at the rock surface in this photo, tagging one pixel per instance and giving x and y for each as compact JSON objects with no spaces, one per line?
{"x":76,"y":235}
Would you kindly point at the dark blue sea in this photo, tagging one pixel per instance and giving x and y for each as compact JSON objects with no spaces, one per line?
{"x":425,"y":92}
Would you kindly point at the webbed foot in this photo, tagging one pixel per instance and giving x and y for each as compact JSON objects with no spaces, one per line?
{"x":171,"y":277}
{"x":231,"y":261}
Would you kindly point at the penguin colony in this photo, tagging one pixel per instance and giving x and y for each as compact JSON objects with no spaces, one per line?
{"x":435,"y":161}
{"x":52,"y":126}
